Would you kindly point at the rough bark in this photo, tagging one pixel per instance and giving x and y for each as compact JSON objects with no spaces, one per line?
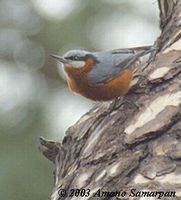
{"x":134,"y":144}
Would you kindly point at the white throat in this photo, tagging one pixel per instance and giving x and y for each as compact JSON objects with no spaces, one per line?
{"x":77,"y":64}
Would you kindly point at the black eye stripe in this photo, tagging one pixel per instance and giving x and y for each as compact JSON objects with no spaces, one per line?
{"x":76,"y":58}
{"x":82,"y":58}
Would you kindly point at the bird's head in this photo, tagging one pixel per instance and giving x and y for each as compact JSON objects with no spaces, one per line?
{"x":76,"y":58}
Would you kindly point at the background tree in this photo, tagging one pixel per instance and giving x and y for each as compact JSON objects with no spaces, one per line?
{"x":135,"y":145}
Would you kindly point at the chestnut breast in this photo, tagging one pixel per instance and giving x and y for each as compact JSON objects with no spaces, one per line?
{"x":78,"y":82}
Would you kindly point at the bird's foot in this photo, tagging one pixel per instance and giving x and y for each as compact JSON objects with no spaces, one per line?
{"x":116,"y":103}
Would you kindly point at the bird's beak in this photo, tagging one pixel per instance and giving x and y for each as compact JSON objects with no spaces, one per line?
{"x":60,"y":59}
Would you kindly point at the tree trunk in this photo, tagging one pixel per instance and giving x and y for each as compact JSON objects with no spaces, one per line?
{"x":134,"y":144}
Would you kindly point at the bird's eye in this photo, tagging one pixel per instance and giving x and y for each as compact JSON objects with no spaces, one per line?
{"x":76,"y":58}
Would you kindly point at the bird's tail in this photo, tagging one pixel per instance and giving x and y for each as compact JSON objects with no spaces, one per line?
{"x":134,"y":55}
{"x":146,"y":49}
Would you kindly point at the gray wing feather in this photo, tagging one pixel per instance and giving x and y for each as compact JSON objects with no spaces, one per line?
{"x":112,"y":63}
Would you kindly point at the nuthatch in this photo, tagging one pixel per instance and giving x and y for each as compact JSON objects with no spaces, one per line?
{"x":101,"y":76}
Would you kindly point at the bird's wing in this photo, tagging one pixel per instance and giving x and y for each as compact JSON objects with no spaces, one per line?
{"x":112,"y":63}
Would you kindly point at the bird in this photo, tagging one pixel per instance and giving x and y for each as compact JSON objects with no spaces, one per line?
{"x":101,"y":76}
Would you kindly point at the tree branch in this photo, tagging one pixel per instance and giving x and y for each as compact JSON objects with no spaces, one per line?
{"x":137,"y":144}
